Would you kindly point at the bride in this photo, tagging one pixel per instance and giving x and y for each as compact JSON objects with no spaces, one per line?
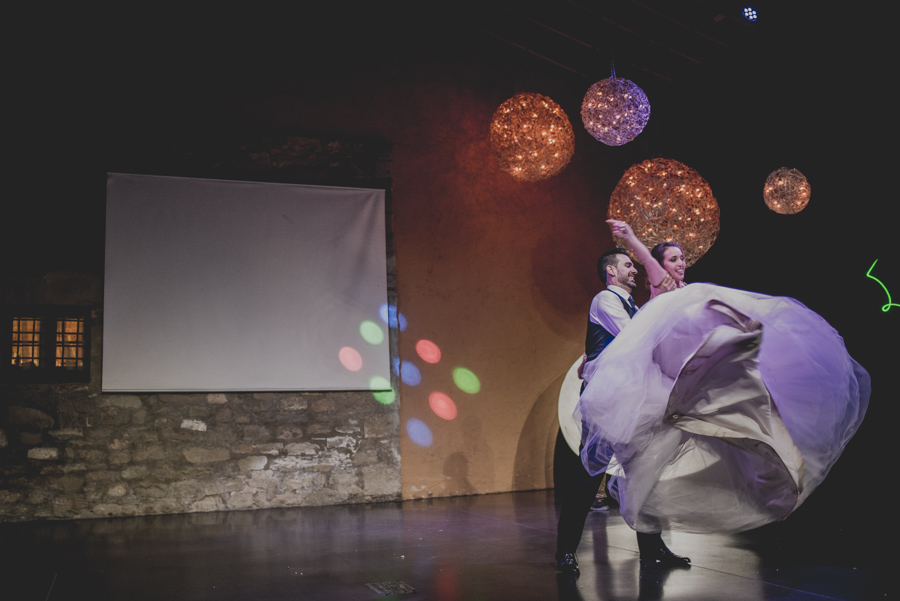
{"x":716,"y":410}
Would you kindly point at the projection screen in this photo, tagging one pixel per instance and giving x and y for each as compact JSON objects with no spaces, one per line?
{"x":238,"y":286}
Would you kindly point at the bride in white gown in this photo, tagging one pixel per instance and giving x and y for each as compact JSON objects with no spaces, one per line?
{"x":717,"y":410}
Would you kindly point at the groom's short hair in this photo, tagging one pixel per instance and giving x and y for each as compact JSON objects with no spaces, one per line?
{"x":609,"y":258}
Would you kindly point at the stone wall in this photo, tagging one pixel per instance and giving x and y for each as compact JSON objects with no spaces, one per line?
{"x":71,"y":451}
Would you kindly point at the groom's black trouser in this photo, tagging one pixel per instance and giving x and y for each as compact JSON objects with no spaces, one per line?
{"x":577,"y":494}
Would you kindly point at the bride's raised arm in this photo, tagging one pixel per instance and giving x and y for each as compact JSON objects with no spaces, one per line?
{"x":655,"y":273}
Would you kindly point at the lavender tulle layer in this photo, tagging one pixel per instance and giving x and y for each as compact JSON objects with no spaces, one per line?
{"x":719,"y":410}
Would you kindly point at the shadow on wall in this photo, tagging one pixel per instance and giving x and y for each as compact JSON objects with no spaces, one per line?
{"x":456,"y":469}
{"x":458,"y":476}
{"x":565,"y":281}
{"x":538,"y":440}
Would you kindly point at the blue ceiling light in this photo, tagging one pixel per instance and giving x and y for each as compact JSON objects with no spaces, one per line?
{"x":750,"y":13}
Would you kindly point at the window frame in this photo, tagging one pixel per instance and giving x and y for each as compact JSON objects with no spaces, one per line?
{"x":46,"y":371}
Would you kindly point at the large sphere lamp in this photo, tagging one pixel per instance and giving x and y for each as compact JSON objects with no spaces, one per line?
{"x":664,"y":200}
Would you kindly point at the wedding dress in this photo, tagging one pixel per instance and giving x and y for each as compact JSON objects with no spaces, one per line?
{"x":719,"y":410}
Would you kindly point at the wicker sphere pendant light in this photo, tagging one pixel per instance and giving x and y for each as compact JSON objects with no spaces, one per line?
{"x":615,"y":110}
{"x":531,"y":137}
{"x":664,"y":200}
{"x":786,"y":191}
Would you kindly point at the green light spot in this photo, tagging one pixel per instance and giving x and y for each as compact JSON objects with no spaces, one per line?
{"x":371,"y":332}
{"x":379,"y":384}
{"x":889,"y":303}
{"x":465,"y":380}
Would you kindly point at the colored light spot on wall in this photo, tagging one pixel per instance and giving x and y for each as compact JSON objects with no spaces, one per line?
{"x":371,"y":332}
{"x":392,"y":317}
{"x":383,"y":392}
{"x":465,"y":380}
{"x":442,"y":405}
{"x":350,"y":358}
{"x":418,"y":432}
{"x":428,"y":351}
{"x":410,"y":374}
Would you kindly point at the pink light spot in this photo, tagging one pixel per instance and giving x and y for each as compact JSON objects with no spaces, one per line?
{"x":350,"y":358}
{"x":428,"y":351}
{"x":442,"y":405}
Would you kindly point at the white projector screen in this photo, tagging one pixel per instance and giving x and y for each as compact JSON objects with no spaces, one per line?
{"x":239,"y":286}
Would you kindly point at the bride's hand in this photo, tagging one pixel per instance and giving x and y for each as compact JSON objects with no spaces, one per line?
{"x":666,"y":285}
{"x":620,"y":229}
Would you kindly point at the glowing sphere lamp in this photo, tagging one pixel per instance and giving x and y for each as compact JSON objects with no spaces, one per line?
{"x":532,"y":138}
{"x":786,"y":191}
{"x":615,"y":110}
{"x":664,"y":200}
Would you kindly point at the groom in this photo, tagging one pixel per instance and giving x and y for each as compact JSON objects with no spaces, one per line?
{"x":611,"y":310}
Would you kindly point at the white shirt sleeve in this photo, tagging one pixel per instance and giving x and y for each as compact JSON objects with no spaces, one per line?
{"x":607,"y":310}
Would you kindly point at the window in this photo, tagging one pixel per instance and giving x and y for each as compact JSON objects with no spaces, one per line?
{"x":26,"y":342}
{"x":70,"y":343}
{"x":46,"y":344}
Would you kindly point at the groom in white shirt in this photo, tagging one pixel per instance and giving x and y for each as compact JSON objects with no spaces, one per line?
{"x":611,"y":310}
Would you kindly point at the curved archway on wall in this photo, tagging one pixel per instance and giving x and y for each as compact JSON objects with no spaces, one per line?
{"x":535,"y":452}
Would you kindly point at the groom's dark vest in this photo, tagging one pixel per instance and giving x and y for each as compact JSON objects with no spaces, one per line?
{"x":599,"y":337}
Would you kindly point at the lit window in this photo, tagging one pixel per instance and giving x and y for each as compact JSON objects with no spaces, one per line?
{"x":46,"y":344}
{"x":70,"y":343}
{"x":26,"y":342}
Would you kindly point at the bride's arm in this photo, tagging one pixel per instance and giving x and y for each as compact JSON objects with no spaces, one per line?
{"x":655,"y":273}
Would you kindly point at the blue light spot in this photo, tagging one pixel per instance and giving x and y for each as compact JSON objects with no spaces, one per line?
{"x":419,"y":433}
{"x":410,"y":374}
{"x":750,"y":13}
{"x":392,"y":317}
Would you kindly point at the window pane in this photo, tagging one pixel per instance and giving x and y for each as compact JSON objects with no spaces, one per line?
{"x":70,"y":343}
{"x":26,"y":342}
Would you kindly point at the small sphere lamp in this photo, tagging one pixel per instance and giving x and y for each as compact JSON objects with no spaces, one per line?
{"x":786,"y":191}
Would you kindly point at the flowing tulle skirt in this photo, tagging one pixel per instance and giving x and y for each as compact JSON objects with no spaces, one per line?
{"x":719,"y":410}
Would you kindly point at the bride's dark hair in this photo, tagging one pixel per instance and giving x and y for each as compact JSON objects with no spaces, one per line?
{"x":660,"y":250}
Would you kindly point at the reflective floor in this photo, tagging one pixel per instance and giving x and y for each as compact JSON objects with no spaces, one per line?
{"x":490,"y":547}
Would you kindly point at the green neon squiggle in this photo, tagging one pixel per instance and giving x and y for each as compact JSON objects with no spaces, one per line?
{"x":889,"y":303}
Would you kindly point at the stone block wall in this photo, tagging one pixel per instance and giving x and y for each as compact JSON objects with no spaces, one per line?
{"x":71,"y":451}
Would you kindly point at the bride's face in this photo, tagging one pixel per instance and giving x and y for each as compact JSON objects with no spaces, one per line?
{"x":673,"y":263}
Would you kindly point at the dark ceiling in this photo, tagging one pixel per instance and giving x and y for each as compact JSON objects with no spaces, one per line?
{"x":667,"y":41}
{"x":81,"y":78}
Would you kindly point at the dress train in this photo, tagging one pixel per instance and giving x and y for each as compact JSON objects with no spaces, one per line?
{"x":719,"y":410}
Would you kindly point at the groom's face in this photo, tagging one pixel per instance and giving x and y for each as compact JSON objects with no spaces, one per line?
{"x":625,"y":272}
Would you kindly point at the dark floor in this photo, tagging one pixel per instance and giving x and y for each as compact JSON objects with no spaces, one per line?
{"x":486,"y":548}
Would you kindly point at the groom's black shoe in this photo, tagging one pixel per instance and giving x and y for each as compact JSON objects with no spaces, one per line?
{"x":566,"y":563}
{"x":665,"y":559}
{"x":655,"y":553}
